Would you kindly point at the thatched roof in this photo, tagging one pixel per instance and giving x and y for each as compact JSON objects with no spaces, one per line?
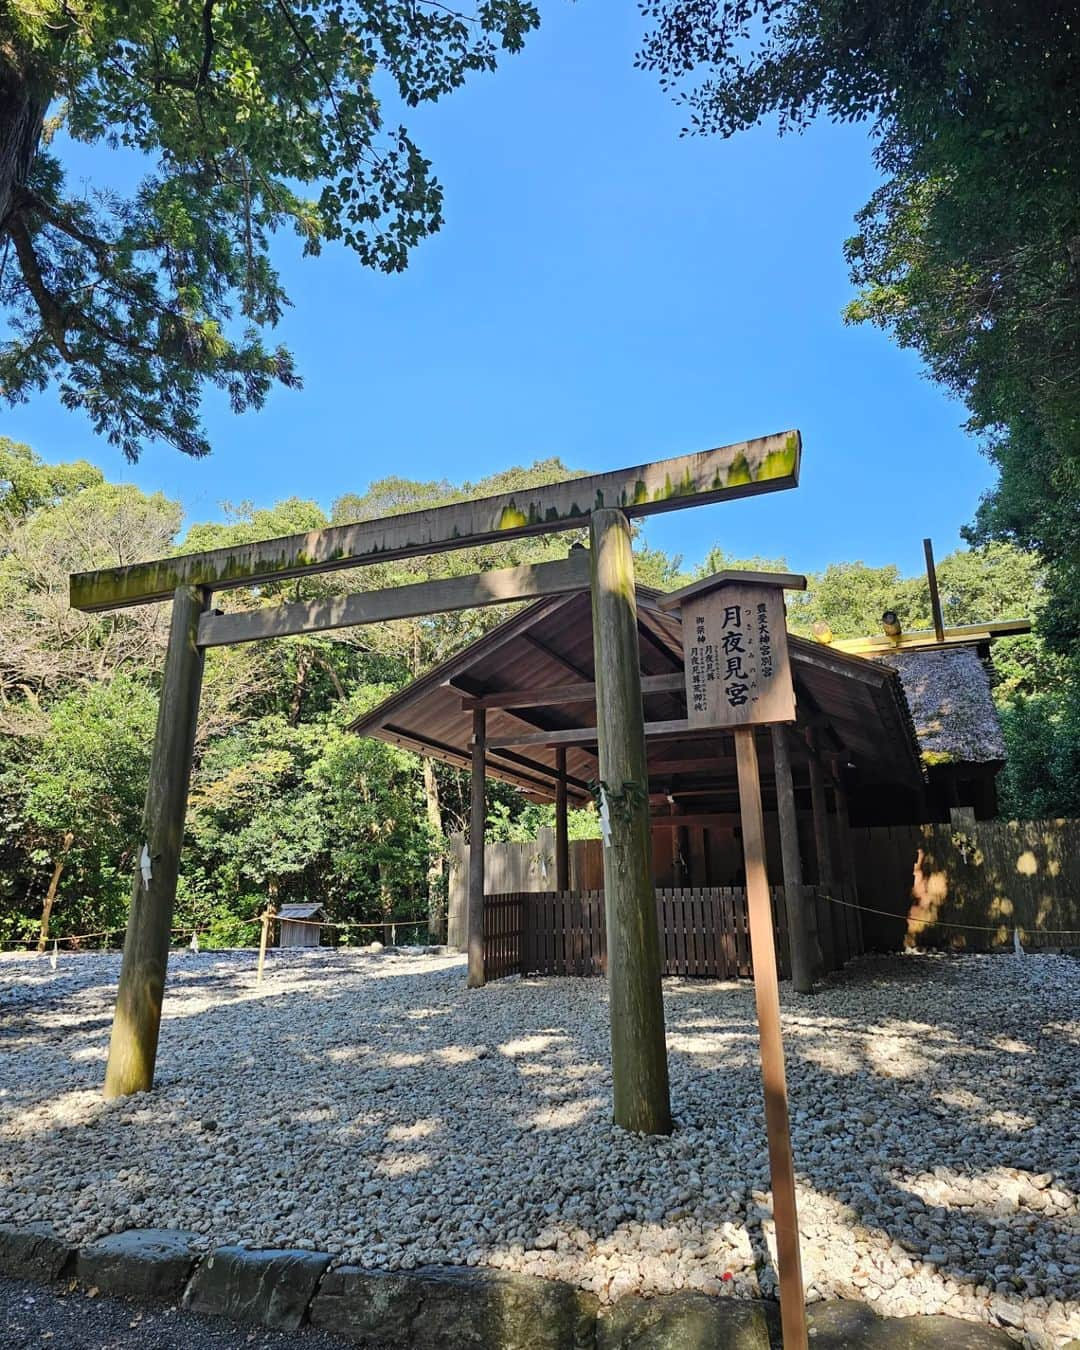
{"x":948,"y":692}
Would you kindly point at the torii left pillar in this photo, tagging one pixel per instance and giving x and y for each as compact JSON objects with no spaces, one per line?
{"x":133,"y":1047}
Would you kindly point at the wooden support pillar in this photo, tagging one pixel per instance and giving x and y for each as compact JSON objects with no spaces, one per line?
{"x":680,"y":848}
{"x":477,"y":825}
{"x":774,"y":1079}
{"x":822,"y":844}
{"x":847,"y":855}
{"x":562,"y":836}
{"x":638,"y":1044}
{"x":802,"y":932}
{"x":137,"y":1020}
{"x":826,"y":876}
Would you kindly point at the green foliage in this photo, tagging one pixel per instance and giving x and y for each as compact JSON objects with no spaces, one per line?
{"x":27,"y":482}
{"x":244,"y":120}
{"x":1041,"y":777}
{"x":968,"y":252}
{"x":82,"y":790}
{"x":505,"y":824}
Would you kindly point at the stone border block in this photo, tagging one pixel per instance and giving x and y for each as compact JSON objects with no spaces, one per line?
{"x":373,"y":1307}
{"x":270,"y":1288}
{"x":33,"y":1252}
{"x":682,"y":1321}
{"x":846,"y":1325}
{"x":141,"y":1262}
{"x":433,"y":1307}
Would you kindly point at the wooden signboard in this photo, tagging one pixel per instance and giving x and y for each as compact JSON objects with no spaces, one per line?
{"x":738,"y":672}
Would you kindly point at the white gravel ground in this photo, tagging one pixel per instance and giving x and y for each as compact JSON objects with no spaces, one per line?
{"x":371,"y":1106}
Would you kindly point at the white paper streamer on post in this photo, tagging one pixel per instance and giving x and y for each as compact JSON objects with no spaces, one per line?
{"x":605,"y":817}
{"x":145,"y":867}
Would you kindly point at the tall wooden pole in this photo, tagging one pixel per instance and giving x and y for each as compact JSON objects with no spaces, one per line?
{"x":137,"y":1020}
{"x":767,"y":996}
{"x":477,"y":825}
{"x":935,"y":598}
{"x":638,"y":1046}
{"x":801,"y":935}
{"x":562,"y":832}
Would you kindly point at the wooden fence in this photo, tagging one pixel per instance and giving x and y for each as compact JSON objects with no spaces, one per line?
{"x":704,"y":932}
{"x":969,"y":884}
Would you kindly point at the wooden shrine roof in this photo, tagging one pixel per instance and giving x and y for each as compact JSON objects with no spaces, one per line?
{"x":858,"y":705}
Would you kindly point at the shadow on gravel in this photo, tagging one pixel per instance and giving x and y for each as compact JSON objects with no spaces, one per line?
{"x":369,"y":1079}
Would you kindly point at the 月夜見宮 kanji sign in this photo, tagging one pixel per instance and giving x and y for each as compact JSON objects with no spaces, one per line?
{"x":738,"y":672}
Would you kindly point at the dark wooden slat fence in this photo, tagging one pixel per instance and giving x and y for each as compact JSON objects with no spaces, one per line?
{"x":704,"y":932}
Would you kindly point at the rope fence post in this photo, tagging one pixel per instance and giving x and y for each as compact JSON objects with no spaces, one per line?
{"x":267,"y":917}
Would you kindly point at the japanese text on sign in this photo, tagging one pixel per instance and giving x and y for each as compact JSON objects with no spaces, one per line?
{"x":737,"y":668}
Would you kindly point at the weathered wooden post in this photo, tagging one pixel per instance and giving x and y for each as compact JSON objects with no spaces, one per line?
{"x":477,"y":825}
{"x":638,"y":1044}
{"x":801,"y":933}
{"x":773,"y":1075}
{"x":820,"y":809}
{"x":738,"y":676}
{"x":562,"y":834}
{"x":136,"y":1022}
{"x":264,"y":941}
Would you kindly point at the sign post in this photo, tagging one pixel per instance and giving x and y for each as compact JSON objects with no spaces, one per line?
{"x":738,"y":675}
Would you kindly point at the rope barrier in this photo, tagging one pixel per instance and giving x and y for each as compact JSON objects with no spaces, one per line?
{"x":349,"y":923}
{"x":945,"y":923}
{"x":30,"y":944}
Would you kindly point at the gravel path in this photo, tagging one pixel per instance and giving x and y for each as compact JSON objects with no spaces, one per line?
{"x":71,"y":1319}
{"x":371,"y":1106}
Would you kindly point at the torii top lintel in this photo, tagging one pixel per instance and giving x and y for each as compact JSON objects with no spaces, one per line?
{"x":765,"y":464}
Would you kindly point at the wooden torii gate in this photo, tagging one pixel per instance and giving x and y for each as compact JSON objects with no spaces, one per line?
{"x":606,"y":502}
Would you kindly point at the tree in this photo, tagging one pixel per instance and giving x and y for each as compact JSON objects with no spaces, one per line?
{"x":45,"y":646}
{"x":132,"y":304}
{"x":84,"y":785}
{"x":969,"y":252}
{"x":27,"y":482}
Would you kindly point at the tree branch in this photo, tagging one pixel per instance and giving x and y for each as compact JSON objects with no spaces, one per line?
{"x":52,"y":315}
{"x":208,"y":43}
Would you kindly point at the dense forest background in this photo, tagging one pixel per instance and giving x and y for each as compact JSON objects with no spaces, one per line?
{"x":285,"y":804}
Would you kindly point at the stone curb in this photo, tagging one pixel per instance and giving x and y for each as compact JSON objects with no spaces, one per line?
{"x":143,"y":1262}
{"x":271,"y":1288}
{"x":448,"y":1307}
{"x":33,"y":1253}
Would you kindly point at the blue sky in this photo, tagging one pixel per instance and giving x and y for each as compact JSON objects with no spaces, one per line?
{"x":607,"y":292}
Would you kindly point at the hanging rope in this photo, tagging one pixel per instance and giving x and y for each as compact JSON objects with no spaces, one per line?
{"x":945,"y":923}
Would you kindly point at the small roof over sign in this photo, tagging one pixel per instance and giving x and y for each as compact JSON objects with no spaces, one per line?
{"x":308,"y":911}
{"x":788,"y":581}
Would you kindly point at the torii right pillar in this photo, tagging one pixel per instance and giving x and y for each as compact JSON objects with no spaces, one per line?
{"x":639,"y":1067}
